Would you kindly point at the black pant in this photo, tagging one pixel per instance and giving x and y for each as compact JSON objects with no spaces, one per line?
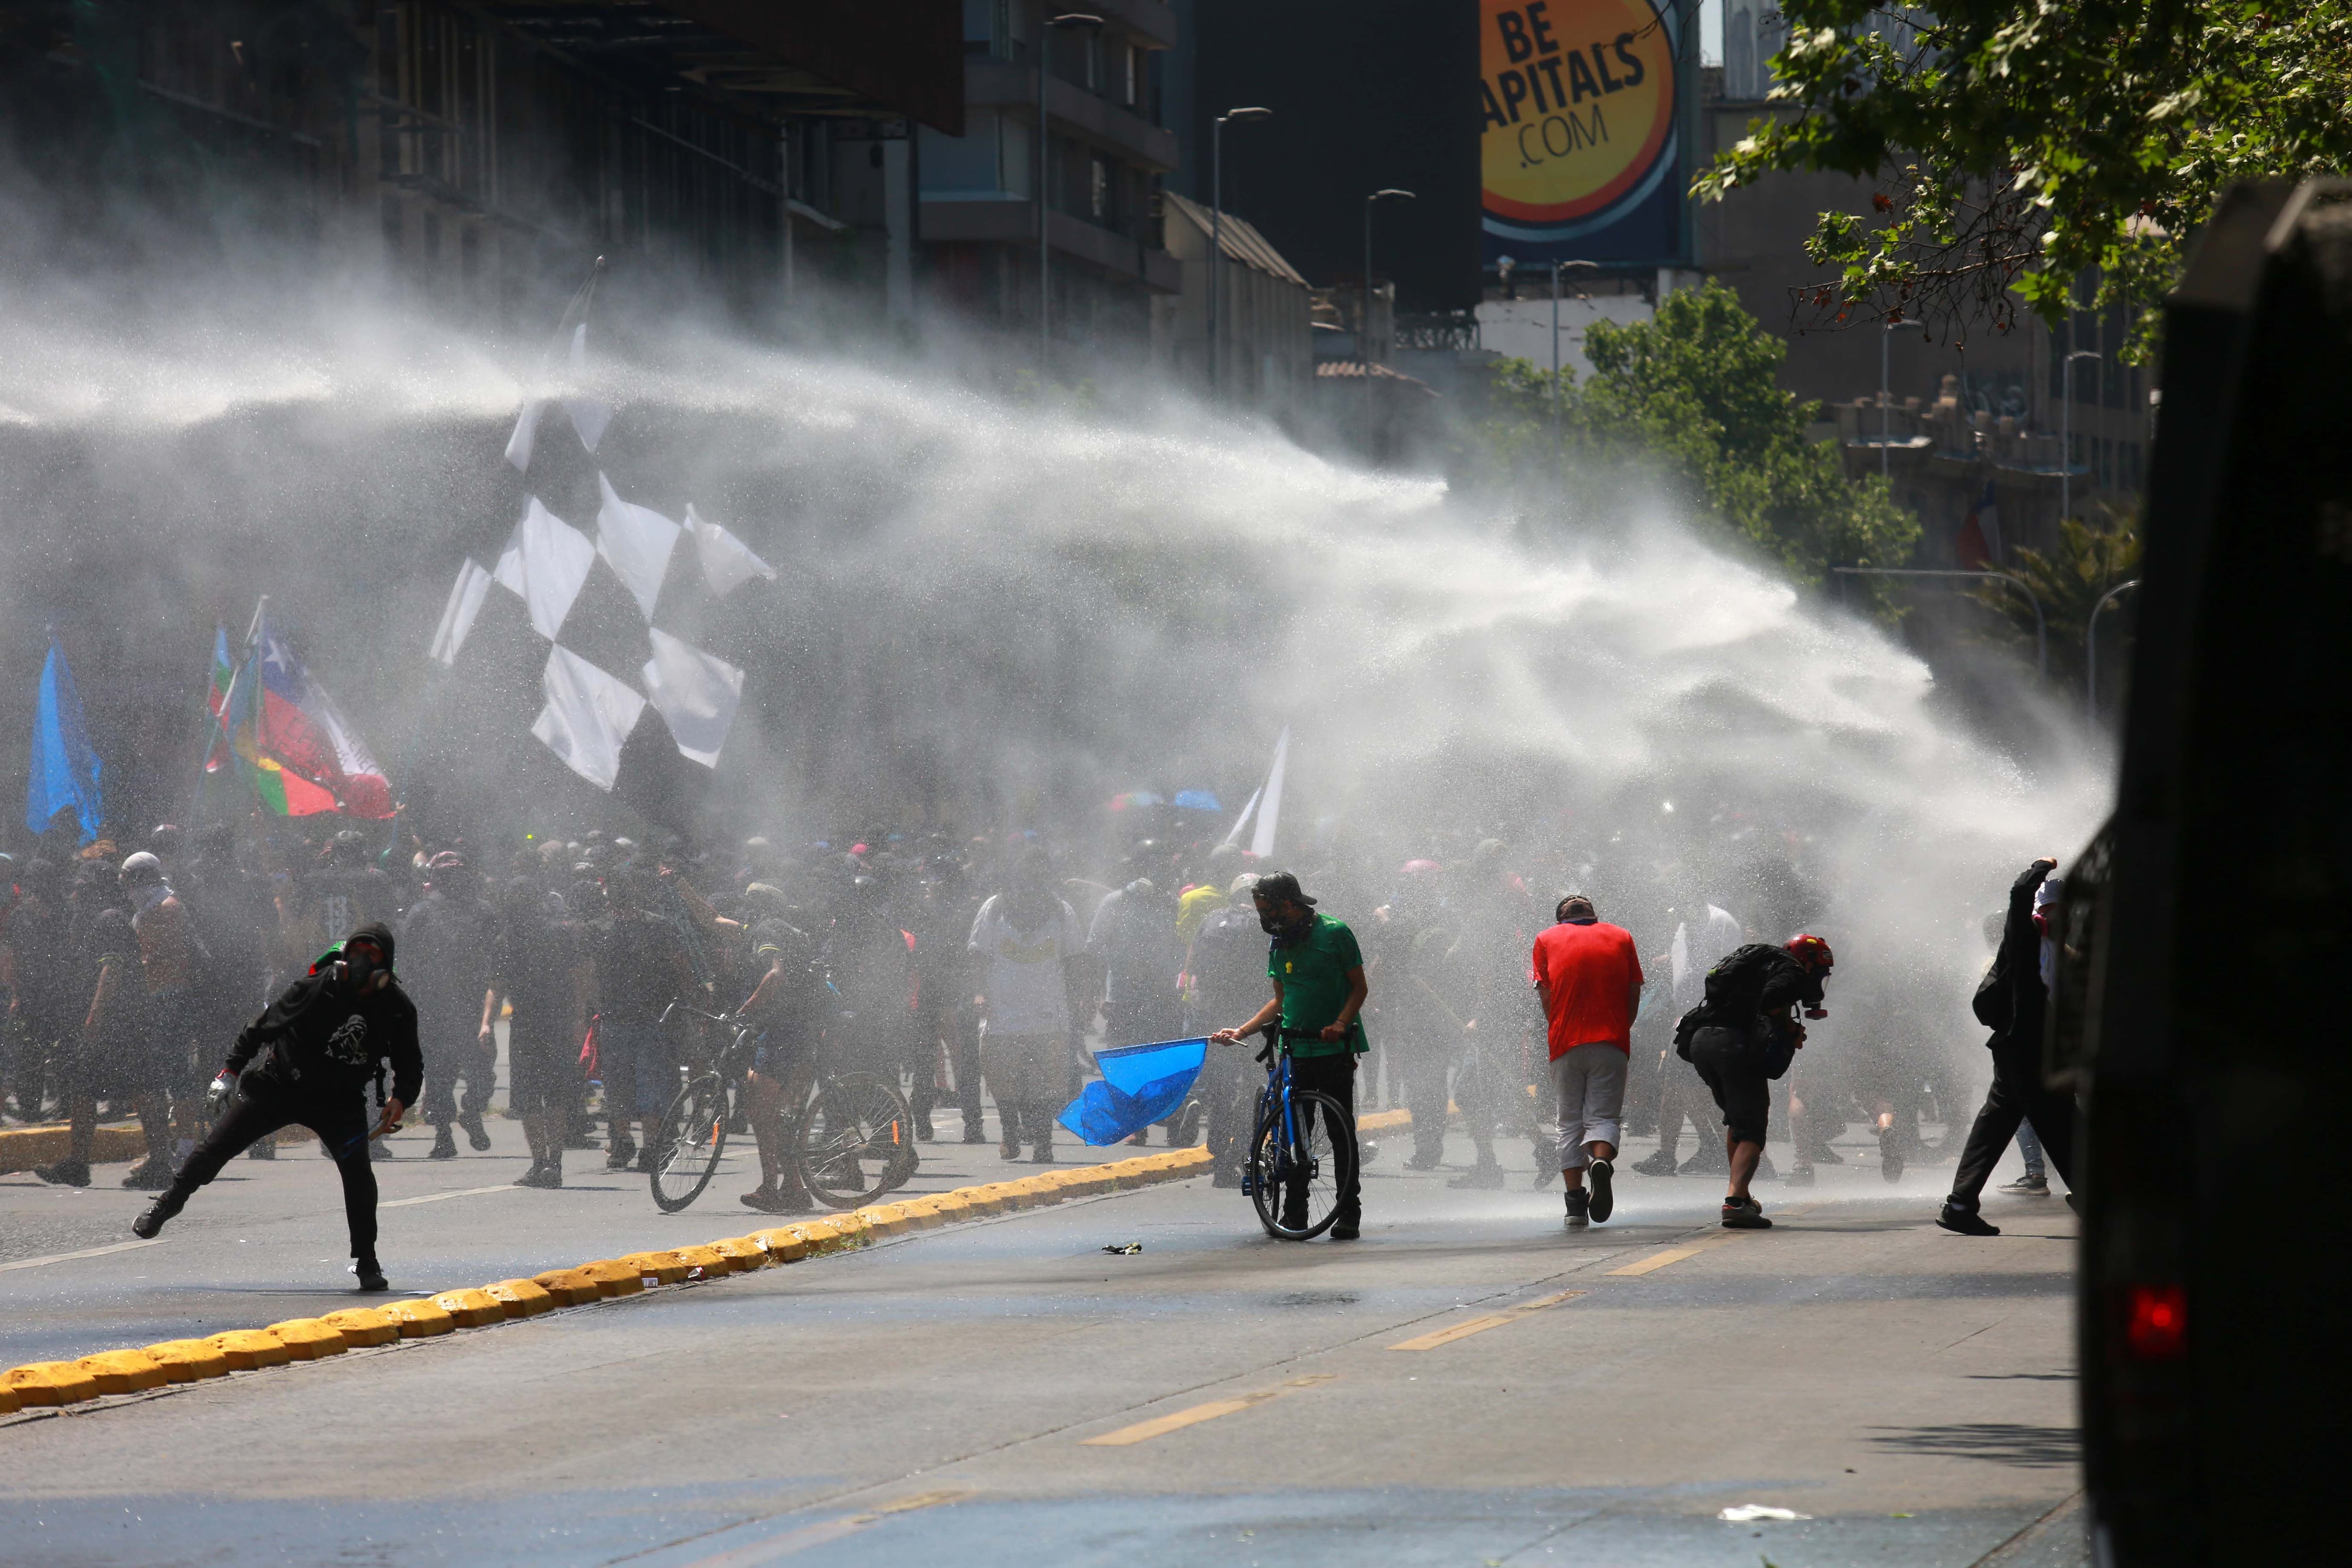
{"x":1231,"y":1095}
{"x":342,"y":1125}
{"x":449,"y":1056}
{"x":2018,"y":1094}
{"x":1424,"y":1062}
{"x":1335,"y":1075}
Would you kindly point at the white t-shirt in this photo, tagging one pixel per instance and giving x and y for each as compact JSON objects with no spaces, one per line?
{"x":1024,"y":989}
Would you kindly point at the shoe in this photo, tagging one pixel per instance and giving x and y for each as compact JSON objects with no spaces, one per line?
{"x":644,"y":1163}
{"x":378,"y":1149}
{"x":540,"y":1176}
{"x":1965,"y":1222}
{"x":1484,"y":1177}
{"x":767,"y":1199}
{"x":1292,"y":1219}
{"x":1142,"y":1140}
{"x":623,"y":1152}
{"x":1709,"y":1161}
{"x":1598,"y":1176}
{"x":1748,"y":1214}
{"x":371,"y":1273}
{"x":1008,"y":1151}
{"x":444,"y":1143}
{"x":1044,"y":1155}
{"x":476,"y":1133}
{"x":2029,"y":1185}
{"x":1661,"y":1164}
{"x":1425,"y":1161}
{"x":923,"y":1132}
{"x":148,"y":1176}
{"x":1347,"y":1227}
{"x":1890,"y":1154}
{"x":1823,"y":1155}
{"x":974,"y":1133}
{"x":65,"y":1173}
{"x":1578,"y":1203}
{"x":150,"y":1225}
{"x":1802,"y":1176}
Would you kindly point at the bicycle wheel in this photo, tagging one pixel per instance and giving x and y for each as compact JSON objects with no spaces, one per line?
{"x":688,"y":1143}
{"x":855,"y":1139}
{"x":1299,"y":1165}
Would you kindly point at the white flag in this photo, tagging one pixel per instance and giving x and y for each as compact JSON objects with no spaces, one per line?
{"x":695,"y":692}
{"x":587,"y":718}
{"x":457,"y":616}
{"x":589,"y":415}
{"x":637,"y":540}
{"x":545,"y":562}
{"x":1269,"y":811}
{"x":1233,"y":833}
{"x":726,"y":561}
{"x":525,"y":438}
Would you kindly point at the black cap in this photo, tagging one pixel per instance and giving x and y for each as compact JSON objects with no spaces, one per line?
{"x":1281,"y":888}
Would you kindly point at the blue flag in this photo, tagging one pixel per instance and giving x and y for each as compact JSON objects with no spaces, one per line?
{"x":64,"y":770}
{"x":1141,"y":1084}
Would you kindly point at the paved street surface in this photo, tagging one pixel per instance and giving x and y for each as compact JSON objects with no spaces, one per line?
{"x":1468,"y":1384}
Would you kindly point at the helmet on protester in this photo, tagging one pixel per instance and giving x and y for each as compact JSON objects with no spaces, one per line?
{"x":142,"y":869}
{"x":1809,"y":951}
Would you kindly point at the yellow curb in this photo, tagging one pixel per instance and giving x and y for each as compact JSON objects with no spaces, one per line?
{"x":124,"y":1371}
{"x":363,"y":1325}
{"x":1381,"y":1120}
{"x":953,"y":1207}
{"x":419,"y":1320}
{"x":613,"y":1276}
{"x":309,"y":1338}
{"x":743,"y":1252}
{"x":655,"y":1267}
{"x":471,"y":1308}
{"x":704,"y":1262}
{"x":23,"y":1148}
{"x":780,"y":1244}
{"x":928,"y":1214}
{"x":246,"y":1349}
{"x":50,"y":1382}
{"x":520,"y":1298}
{"x":185,"y":1360}
{"x":8,"y":1406}
{"x":569,"y":1287}
{"x":883,"y":1219}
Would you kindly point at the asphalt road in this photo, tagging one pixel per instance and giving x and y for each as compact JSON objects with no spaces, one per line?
{"x":940,"y":1399}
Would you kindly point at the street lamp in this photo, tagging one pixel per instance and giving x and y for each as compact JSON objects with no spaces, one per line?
{"x":1217,"y":222}
{"x":1073,"y":19}
{"x":1557,"y":268}
{"x":2091,"y":648}
{"x":2066,"y":433}
{"x":1364,"y":326}
{"x":1885,"y":397}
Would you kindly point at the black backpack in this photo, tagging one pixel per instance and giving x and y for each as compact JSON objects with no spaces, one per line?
{"x":1735,"y":993}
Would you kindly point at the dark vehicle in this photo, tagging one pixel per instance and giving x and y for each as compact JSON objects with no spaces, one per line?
{"x":2201,"y":1010}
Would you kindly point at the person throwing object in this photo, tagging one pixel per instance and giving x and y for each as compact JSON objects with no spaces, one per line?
{"x":319,"y":1045}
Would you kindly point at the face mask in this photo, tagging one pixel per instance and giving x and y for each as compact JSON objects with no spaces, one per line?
{"x":359,"y":968}
{"x":1274,"y":923}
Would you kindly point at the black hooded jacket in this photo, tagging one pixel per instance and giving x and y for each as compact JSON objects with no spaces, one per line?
{"x":322,"y":1041}
{"x":2010,"y":999}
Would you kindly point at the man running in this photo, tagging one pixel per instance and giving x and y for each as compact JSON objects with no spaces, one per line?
{"x":323,"y":1039}
{"x":1318,"y":995}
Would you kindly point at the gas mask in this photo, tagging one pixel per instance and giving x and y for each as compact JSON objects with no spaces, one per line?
{"x":360,"y":967}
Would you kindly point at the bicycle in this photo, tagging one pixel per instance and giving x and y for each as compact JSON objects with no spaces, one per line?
{"x":1299,"y":1162}
{"x":691,"y":1141}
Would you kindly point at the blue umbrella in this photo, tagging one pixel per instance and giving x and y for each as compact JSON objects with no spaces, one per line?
{"x":1141,"y":1084}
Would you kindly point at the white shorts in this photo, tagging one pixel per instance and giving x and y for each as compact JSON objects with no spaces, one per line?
{"x":1588,"y":1082}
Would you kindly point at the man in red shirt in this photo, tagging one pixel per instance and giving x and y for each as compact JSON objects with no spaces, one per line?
{"x":1590,"y":980}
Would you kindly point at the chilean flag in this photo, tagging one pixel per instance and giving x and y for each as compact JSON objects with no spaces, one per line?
{"x":303,"y":758}
{"x":1977,"y":545}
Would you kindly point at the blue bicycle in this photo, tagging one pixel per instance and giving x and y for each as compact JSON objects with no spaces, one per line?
{"x":1302,"y":1150}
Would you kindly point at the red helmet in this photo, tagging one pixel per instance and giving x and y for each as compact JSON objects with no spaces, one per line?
{"x":1809,"y":951}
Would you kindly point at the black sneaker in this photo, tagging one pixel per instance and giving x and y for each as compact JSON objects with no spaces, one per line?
{"x":1661,"y":1164}
{"x":623,"y":1152}
{"x":1484,"y":1177}
{"x":538,"y":1176}
{"x":1579,"y":1205}
{"x":1347,"y":1227}
{"x":148,"y":1176}
{"x":2029,"y":1185}
{"x":1599,"y":1176}
{"x":64,"y":1174}
{"x":1744,"y":1213}
{"x":370,"y":1276}
{"x":1890,"y":1154}
{"x":148,"y":1225}
{"x":1008,"y":1151}
{"x":1965,"y":1222}
{"x":476,"y":1133}
{"x":1044,"y":1155}
{"x":974,"y":1133}
{"x":444,"y":1143}
{"x":1425,"y":1161}
{"x":924,"y":1132}
{"x":1708,"y":1161}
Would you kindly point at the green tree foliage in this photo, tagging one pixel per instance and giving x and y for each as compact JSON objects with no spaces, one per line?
{"x":2069,"y":580}
{"x":1690,"y":401}
{"x":2021,"y":145}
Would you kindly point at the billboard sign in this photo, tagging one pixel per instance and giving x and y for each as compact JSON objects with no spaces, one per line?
{"x":1580,"y":150}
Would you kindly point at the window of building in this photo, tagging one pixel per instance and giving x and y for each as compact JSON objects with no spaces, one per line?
{"x":1131,"y":90}
{"x":1098,"y":191}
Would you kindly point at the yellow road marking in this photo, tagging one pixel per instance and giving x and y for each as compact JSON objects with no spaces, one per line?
{"x":1161,"y":1425}
{"x":1657,"y":1261}
{"x":1462,"y":1330}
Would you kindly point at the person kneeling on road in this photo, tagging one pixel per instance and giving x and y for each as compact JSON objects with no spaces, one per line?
{"x":1741,"y":1038}
{"x":1589,"y":982}
{"x":320,"y":1045}
{"x":1318,"y":996}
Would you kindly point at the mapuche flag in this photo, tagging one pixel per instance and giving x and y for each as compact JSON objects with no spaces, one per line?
{"x":300,"y":754}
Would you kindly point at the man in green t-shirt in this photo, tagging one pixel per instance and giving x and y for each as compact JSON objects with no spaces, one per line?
{"x":1319,"y":997}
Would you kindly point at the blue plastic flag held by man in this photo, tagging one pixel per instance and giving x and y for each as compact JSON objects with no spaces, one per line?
{"x":65,"y":771}
{"x":1141,"y":1084}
